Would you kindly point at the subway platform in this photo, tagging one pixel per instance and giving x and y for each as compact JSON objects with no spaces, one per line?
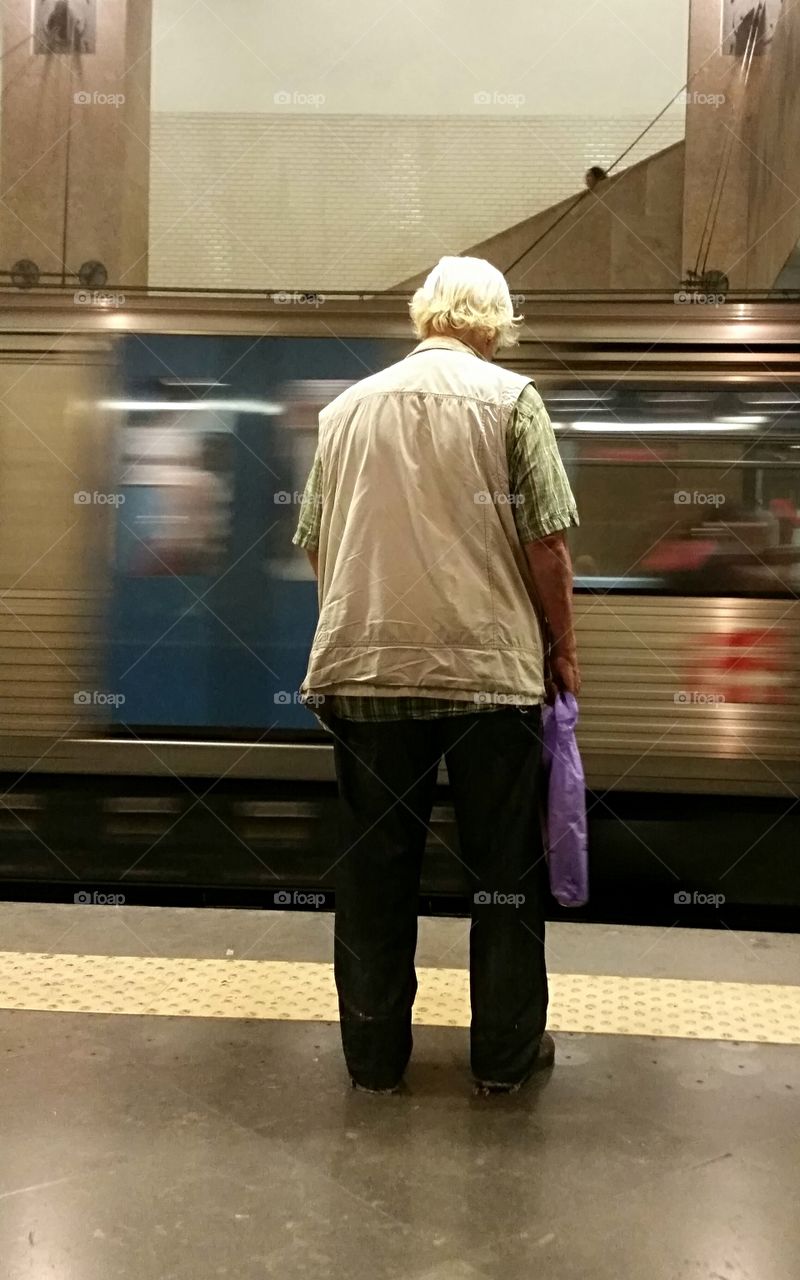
{"x":175,"y":1105}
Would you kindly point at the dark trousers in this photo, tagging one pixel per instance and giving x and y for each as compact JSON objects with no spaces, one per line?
{"x":387,"y":776}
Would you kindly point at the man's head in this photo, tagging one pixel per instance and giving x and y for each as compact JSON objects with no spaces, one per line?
{"x":466,"y":298}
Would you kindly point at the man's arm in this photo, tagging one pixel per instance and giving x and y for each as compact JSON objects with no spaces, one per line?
{"x":544,"y":509}
{"x":551,"y":572}
{"x":308,"y":524}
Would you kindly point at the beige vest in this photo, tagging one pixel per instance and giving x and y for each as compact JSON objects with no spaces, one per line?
{"x":423,"y":585}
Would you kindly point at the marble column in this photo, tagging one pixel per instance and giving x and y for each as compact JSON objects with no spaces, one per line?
{"x":718,"y":112}
{"x":74,"y":138}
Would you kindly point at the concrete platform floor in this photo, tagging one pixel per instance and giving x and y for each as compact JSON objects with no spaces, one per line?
{"x":167,"y":1148}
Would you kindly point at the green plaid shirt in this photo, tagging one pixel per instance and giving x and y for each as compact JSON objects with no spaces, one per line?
{"x":544,"y":504}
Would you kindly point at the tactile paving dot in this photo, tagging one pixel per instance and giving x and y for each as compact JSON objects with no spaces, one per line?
{"x":607,"y":1004}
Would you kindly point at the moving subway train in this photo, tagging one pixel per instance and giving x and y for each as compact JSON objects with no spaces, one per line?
{"x":156,"y":618}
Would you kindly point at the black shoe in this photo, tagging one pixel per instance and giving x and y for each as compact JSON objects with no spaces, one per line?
{"x":362,"y":1088}
{"x":545,"y":1057}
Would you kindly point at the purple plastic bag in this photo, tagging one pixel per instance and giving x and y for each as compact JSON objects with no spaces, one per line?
{"x":565,"y":822}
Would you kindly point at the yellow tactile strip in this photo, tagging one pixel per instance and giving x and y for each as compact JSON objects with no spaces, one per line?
{"x":607,"y":1003}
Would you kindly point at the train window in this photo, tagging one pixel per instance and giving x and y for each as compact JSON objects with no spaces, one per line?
{"x":175,"y":476}
{"x":685,"y":490}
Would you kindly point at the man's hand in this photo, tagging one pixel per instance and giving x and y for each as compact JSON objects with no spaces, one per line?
{"x":566,"y":676}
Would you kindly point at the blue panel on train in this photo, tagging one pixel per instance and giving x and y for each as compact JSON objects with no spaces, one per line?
{"x":213,"y":608}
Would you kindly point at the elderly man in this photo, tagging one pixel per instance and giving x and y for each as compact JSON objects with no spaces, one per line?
{"x":434,"y":519}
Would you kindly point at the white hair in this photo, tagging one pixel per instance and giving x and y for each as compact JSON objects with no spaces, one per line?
{"x":465,"y":295}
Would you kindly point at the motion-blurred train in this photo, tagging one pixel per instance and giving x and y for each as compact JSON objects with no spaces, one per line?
{"x":156,"y":618}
